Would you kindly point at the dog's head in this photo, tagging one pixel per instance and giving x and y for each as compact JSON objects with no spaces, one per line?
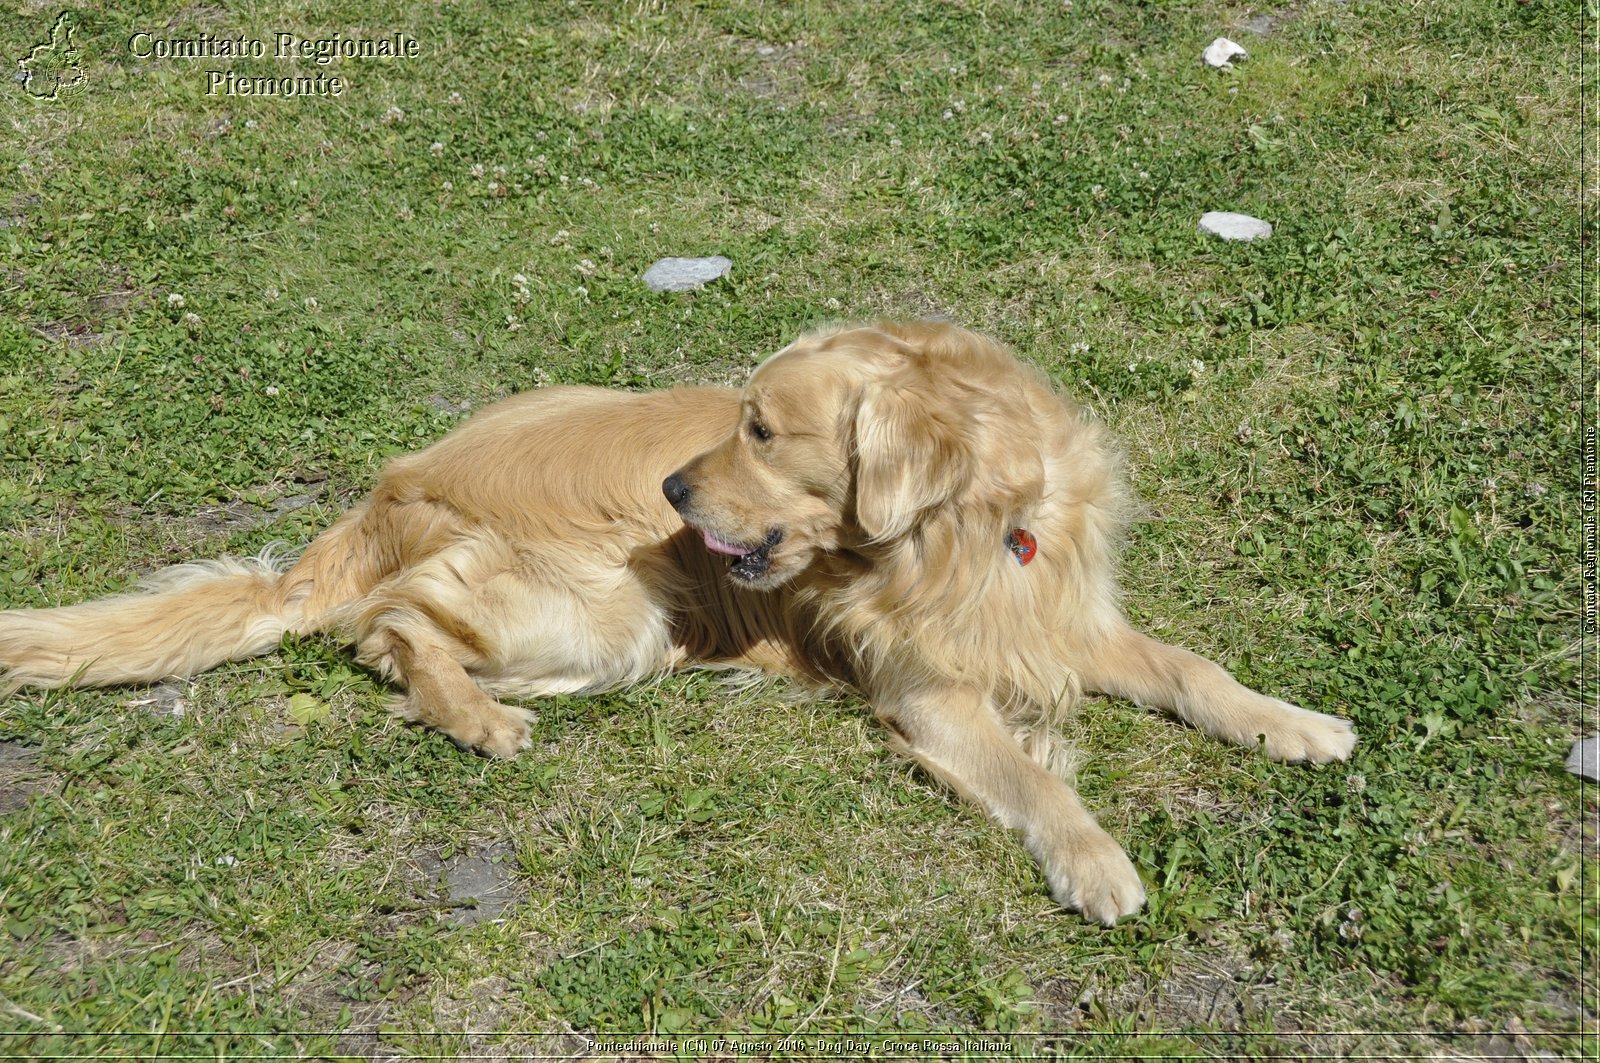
{"x":856,"y":438}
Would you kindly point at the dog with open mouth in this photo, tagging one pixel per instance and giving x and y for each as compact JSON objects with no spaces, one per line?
{"x":902,"y":509}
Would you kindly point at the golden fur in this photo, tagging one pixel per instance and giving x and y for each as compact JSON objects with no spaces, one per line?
{"x":844,"y":519}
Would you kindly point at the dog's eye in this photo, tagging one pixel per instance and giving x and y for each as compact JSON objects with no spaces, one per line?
{"x":760,"y":431}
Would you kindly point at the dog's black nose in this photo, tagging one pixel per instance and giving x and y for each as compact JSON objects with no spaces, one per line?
{"x":676,"y":488}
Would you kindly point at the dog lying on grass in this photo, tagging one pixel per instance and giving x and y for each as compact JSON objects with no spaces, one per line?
{"x":902,"y":509}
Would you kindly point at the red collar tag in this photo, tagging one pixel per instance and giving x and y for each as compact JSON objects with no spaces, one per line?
{"x":1022,"y":544}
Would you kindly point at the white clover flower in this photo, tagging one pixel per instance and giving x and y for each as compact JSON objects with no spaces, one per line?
{"x":437,"y":147}
{"x":455,"y":98}
{"x":272,"y":391}
{"x":393,"y":115}
{"x":1196,"y":367}
{"x":949,"y":115}
{"x":191,"y":319}
{"x":312,"y":304}
{"x":477,"y":169}
{"x":175,"y":300}
{"x":586,"y":267}
{"x":448,"y":186}
{"x":271,"y":295}
{"x":1080,"y":348}
{"x":512,"y":323}
{"x":1350,"y":929}
{"x":581,"y":292}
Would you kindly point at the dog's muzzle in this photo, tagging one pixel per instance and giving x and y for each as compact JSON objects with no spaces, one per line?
{"x":749,"y":563}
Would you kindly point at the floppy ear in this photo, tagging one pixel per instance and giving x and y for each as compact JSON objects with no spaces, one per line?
{"x":913,"y":451}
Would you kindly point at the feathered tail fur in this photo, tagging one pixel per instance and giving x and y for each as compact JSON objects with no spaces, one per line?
{"x":186,"y":618}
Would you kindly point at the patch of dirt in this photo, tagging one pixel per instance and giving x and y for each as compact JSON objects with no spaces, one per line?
{"x":1264,"y":23}
{"x":184,"y":536}
{"x":1221,"y":991}
{"x":475,"y":886}
{"x":445,"y":404}
{"x":102,"y":311}
{"x":20,"y":776}
{"x":776,"y":75}
{"x":910,"y":303}
{"x":75,"y":334}
{"x":163,"y":699}
{"x":314,"y":993}
{"x":243,"y":516}
{"x":480,"y":1009}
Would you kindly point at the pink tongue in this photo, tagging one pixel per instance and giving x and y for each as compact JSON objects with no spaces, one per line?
{"x":717,"y":546}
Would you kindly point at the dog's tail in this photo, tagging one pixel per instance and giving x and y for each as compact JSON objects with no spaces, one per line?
{"x":188,"y":618}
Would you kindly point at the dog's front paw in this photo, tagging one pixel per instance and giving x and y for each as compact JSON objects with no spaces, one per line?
{"x":498,"y":732}
{"x":1095,"y":877}
{"x":1294,"y":734}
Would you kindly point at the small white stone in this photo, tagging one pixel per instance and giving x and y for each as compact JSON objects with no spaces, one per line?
{"x":1231,"y":226}
{"x":1221,"y":53}
{"x":686,"y":274}
{"x":1584,"y":760}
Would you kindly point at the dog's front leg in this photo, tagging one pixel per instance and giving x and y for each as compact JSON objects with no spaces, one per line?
{"x":956,"y":734}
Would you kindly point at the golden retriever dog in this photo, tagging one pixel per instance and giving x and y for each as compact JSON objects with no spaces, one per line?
{"x":905,"y":510}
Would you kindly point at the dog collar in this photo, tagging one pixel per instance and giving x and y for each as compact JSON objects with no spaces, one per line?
{"x":1022,"y":544}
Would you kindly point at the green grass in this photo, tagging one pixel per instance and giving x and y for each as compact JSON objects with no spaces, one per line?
{"x":1356,"y":441}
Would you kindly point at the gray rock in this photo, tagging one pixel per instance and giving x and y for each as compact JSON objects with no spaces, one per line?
{"x":686,"y":274}
{"x":1231,"y":226}
{"x":1584,"y":760}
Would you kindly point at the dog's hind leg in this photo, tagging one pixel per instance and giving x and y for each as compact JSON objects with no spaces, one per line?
{"x":1135,"y":666}
{"x":440,"y":693}
{"x":956,"y":734}
{"x":416,"y":629}
{"x":484,"y":616}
